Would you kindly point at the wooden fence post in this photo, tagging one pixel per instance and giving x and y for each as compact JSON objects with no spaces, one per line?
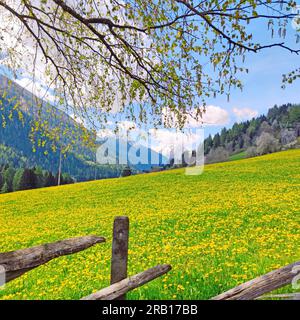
{"x":119,"y":256}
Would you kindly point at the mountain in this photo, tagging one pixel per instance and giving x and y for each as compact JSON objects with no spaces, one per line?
{"x":19,"y":110}
{"x":145,"y":158}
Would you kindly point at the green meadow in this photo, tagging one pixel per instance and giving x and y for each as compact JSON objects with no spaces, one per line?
{"x":236,"y":221}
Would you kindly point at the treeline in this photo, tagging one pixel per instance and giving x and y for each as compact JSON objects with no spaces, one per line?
{"x":277,"y":130}
{"x":12,"y":179}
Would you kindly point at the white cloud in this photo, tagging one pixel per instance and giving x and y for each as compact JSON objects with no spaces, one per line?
{"x":244,"y":113}
{"x":211,"y":116}
{"x":168,"y":141}
{"x":215,"y":116}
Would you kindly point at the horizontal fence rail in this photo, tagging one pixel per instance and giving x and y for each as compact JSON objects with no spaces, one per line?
{"x":16,"y":263}
{"x":263,"y":284}
{"x":120,"y":288}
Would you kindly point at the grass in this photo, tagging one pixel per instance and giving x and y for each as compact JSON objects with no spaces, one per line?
{"x":238,"y":156}
{"x":236,"y":221}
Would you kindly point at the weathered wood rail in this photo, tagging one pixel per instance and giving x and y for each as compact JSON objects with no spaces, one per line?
{"x":15,"y":263}
{"x":18,"y":262}
{"x":264,"y":284}
{"x":120,"y":288}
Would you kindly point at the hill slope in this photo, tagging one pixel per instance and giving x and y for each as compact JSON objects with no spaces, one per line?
{"x":237,"y":220}
{"x":14,"y":134}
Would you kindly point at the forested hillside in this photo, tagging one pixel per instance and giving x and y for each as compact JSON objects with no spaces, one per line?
{"x":18,"y":108}
{"x":278,"y":130}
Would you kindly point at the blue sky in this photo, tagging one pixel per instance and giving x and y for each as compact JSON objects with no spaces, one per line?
{"x":262,"y":86}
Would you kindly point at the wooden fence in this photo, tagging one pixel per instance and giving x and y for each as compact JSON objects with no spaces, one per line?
{"x":18,"y":262}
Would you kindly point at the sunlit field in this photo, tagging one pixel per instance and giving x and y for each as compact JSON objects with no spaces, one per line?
{"x":236,"y":221}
